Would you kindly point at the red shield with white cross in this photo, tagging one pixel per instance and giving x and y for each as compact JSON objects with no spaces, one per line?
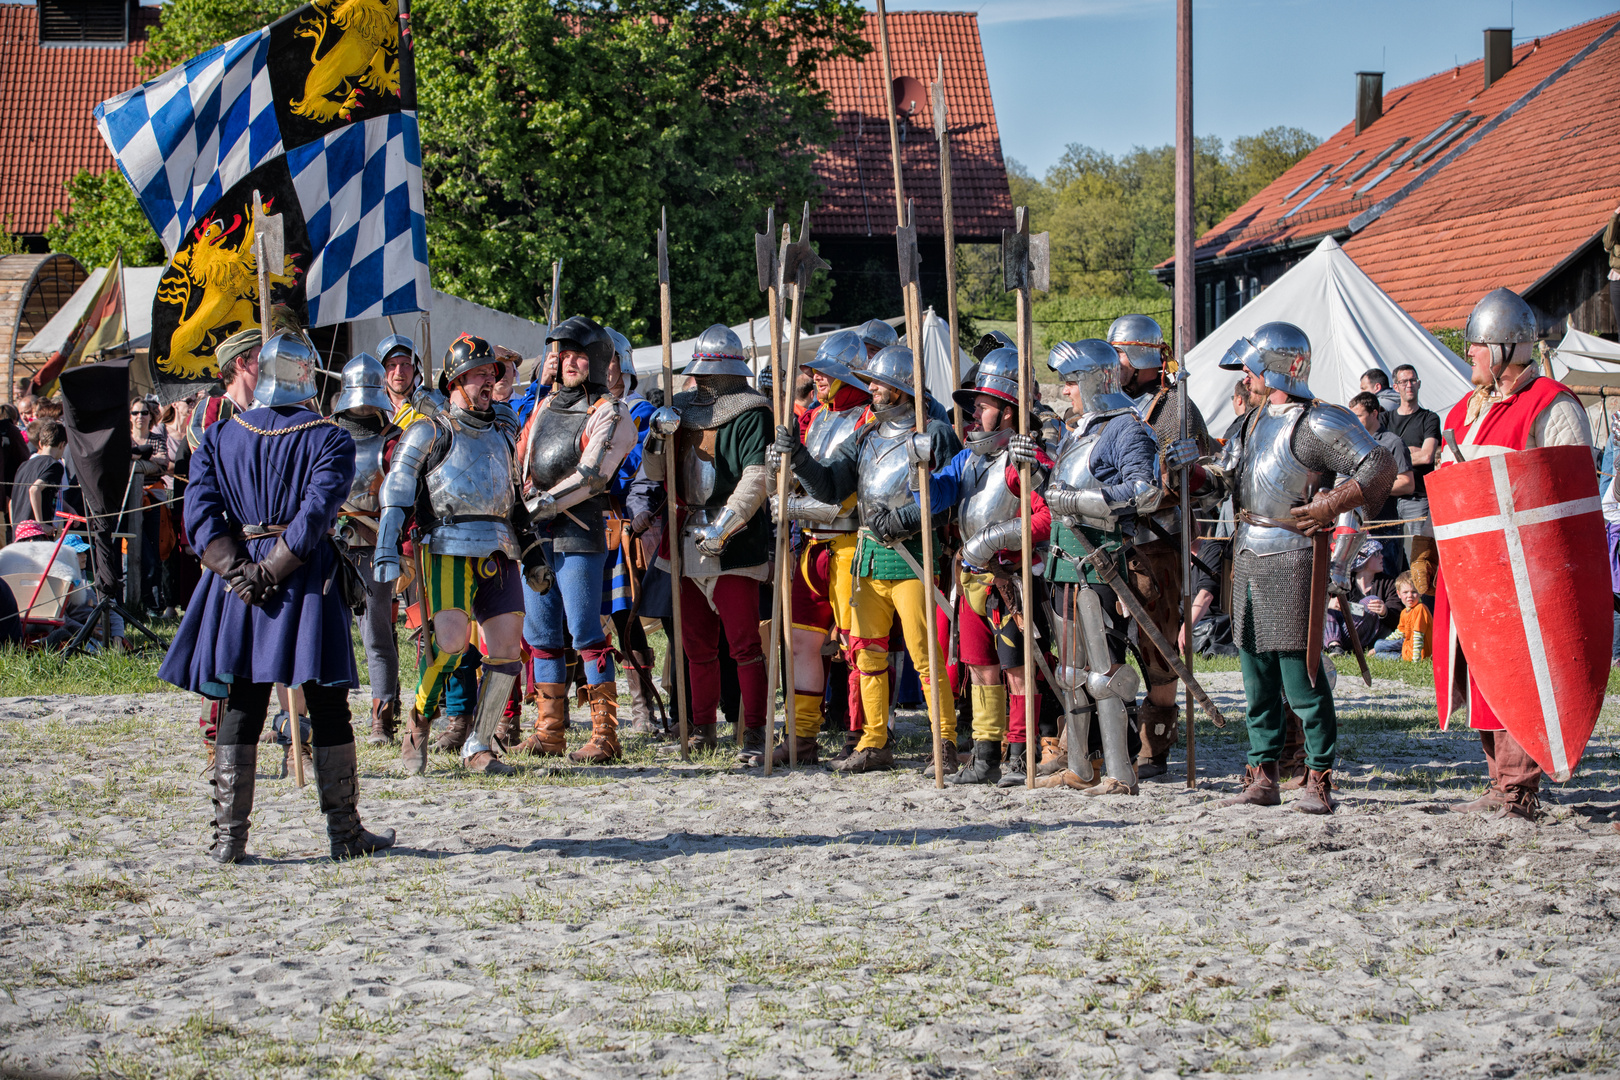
{"x":1525,"y":560}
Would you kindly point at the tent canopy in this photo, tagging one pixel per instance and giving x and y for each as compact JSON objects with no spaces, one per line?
{"x":1584,"y":352}
{"x":140,"y":285}
{"x":1353,"y":326}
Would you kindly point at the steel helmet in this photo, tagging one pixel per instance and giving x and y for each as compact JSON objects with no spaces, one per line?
{"x":892,"y":367}
{"x":588,"y":337}
{"x":1282,"y":356}
{"x":1502,"y":318}
{"x":718,"y":351}
{"x":1242,"y":357}
{"x":467,"y":353}
{"x":626,"y":355}
{"x":287,"y":366}
{"x":995,"y":339}
{"x":1139,"y":339}
{"x":840,"y":356}
{"x":997,"y":376}
{"x":363,"y":387}
{"x":1093,"y":366}
{"x":878,"y":335}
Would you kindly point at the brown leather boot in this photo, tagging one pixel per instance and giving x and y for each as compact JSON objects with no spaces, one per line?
{"x":1054,"y":756}
{"x":509,"y":732}
{"x":807,"y":749}
{"x":1488,"y":803}
{"x":1259,"y":787}
{"x":949,"y":759}
{"x":456,"y":729}
{"x":703,"y":737}
{"x":413,"y":748}
{"x":641,"y":694}
{"x":1520,"y":801}
{"x":549,"y":738}
{"x":852,"y":739}
{"x":384,"y":722}
{"x":603,"y":746}
{"x":1158,"y":726}
{"x":1317,"y":795}
{"x":872,"y":759}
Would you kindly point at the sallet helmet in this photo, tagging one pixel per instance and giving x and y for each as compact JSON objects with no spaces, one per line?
{"x":287,"y":366}
{"x":995,"y":339}
{"x":1283,"y":354}
{"x":1503,"y":321}
{"x":1140,"y":339}
{"x":626,"y":355}
{"x":839,"y":357}
{"x":363,"y":386}
{"x":718,"y":351}
{"x":587,"y":337}
{"x":467,"y":353}
{"x":1093,"y":366}
{"x":892,"y":367}
{"x":878,"y":335}
{"x":997,"y":376}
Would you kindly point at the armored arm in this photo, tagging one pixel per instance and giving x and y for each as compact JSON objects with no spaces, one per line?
{"x":830,"y":483}
{"x":609,"y":436}
{"x":1330,"y":439}
{"x":813,"y":511}
{"x":398,"y":494}
{"x":664,"y":423}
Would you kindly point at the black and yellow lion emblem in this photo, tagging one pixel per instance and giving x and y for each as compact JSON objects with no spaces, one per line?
{"x":356,"y":48}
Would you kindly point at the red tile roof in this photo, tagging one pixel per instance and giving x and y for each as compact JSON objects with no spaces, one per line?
{"x":857,"y":170}
{"x":46,"y":130}
{"x":1520,"y":178}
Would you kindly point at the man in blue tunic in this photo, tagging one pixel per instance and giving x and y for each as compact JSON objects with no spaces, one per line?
{"x":264,"y":494}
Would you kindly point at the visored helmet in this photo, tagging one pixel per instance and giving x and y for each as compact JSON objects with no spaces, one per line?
{"x":892,"y":367}
{"x":839,"y":357}
{"x":1093,"y":366}
{"x":1283,"y":354}
{"x":287,"y":366}
{"x":588,"y":337}
{"x":363,"y":387}
{"x":1139,"y":339}
{"x":877,"y":335}
{"x":995,"y":339}
{"x":626,"y":355}
{"x":1242,"y":357}
{"x":467,"y":353}
{"x":997,"y":376}
{"x":718,"y":351}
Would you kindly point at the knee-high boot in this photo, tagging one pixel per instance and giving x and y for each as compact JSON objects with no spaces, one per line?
{"x":337,"y":782}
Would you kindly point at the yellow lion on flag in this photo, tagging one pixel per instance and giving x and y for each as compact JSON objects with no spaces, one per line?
{"x":363,"y":56}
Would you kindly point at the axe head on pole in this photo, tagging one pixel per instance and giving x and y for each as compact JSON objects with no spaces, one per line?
{"x":905,"y":242}
{"x":799,"y":259}
{"x":271,"y":235}
{"x":765,"y":251}
{"x":663,"y":247}
{"x":936,"y":94}
{"x":1026,"y":261}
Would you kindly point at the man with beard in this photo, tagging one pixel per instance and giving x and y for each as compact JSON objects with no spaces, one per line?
{"x":1155,"y":564}
{"x":265,"y":488}
{"x":879,"y":467}
{"x":821,"y":568}
{"x":570,"y":452}
{"x":721,"y":431}
{"x":1282,"y":471}
{"x":1514,"y":407}
{"x":362,"y":409}
{"x":454,"y":471}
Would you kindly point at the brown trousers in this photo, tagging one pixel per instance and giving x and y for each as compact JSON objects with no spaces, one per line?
{"x":1510,"y":765}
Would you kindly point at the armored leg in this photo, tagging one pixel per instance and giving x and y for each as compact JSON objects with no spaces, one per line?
{"x":1110,"y":690}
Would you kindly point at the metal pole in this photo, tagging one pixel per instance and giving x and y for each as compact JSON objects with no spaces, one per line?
{"x":1186,"y":333}
{"x":944,"y":138}
{"x":672,"y":517}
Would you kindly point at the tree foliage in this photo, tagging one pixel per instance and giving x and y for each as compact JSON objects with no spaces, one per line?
{"x":1113,"y":218}
{"x":190,"y":27}
{"x":103,"y":216}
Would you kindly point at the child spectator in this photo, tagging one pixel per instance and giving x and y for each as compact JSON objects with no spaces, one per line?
{"x":1413,"y":639}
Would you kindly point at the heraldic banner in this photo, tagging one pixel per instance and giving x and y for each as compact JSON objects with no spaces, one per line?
{"x":317,"y":114}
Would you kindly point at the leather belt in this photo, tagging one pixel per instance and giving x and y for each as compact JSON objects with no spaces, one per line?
{"x":253,"y":532}
{"x":1269,"y":523}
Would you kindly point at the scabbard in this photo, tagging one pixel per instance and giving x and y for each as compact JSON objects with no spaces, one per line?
{"x":1321,"y":548}
{"x":1354,"y":634}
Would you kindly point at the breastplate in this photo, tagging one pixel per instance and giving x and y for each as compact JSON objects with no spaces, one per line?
{"x":829,"y":431}
{"x":368,"y":473}
{"x":885,"y":471}
{"x":992,"y":500}
{"x":696,"y":470}
{"x":473,"y":480}
{"x":554,"y":447}
{"x":1273,"y":482}
{"x":1072,"y":471}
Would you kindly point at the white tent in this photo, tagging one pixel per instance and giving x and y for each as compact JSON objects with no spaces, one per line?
{"x":1584,"y":352}
{"x":1353,"y":326}
{"x":140,"y":285}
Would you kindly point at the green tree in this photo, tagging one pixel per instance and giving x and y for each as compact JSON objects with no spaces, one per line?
{"x":103,"y":216}
{"x":190,"y":27}
{"x":1257,"y":160}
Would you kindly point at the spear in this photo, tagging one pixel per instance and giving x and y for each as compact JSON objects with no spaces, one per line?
{"x":672,"y":526}
{"x":944,"y":138}
{"x":769,"y":264}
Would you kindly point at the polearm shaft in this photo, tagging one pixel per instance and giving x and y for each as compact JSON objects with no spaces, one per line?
{"x":943,"y":135}
{"x":1025,"y":511}
{"x":1185,"y":334}
{"x":672,"y":516}
{"x":770,"y":283}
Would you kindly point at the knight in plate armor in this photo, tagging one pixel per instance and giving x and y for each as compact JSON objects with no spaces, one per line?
{"x":879,"y":468}
{"x":823,"y":561}
{"x":363,"y":410}
{"x":1155,"y":564}
{"x":721,"y":430}
{"x":982,"y":482}
{"x":265,"y":490}
{"x":1104,"y":479}
{"x":1281,"y":468}
{"x":454,"y":473}
{"x":570,"y":452}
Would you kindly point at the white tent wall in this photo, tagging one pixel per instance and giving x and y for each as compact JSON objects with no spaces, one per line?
{"x":140,"y":285}
{"x":1353,"y":326}
{"x":452,"y":315}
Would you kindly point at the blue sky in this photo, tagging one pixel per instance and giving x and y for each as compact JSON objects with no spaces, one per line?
{"x":1101,"y":72}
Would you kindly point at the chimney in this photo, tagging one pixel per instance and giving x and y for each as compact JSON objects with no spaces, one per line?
{"x":1498,"y":53}
{"x":1369,"y":98}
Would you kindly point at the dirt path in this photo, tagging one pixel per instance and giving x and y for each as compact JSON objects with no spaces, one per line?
{"x":653,"y":920}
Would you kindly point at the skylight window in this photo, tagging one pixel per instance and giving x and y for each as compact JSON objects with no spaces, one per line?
{"x":1373,"y":164}
{"x":1303,"y":182}
{"x":1307,"y":200}
{"x":1473,"y":121}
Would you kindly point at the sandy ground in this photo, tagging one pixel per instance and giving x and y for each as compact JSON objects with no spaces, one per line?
{"x":653,"y":919}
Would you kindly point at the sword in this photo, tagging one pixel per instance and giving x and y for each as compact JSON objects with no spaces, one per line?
{"x":939,"y":597}
{"x":1110,"y":574}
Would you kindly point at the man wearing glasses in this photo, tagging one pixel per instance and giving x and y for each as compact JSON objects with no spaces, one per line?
{"x":1419,"y":429}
